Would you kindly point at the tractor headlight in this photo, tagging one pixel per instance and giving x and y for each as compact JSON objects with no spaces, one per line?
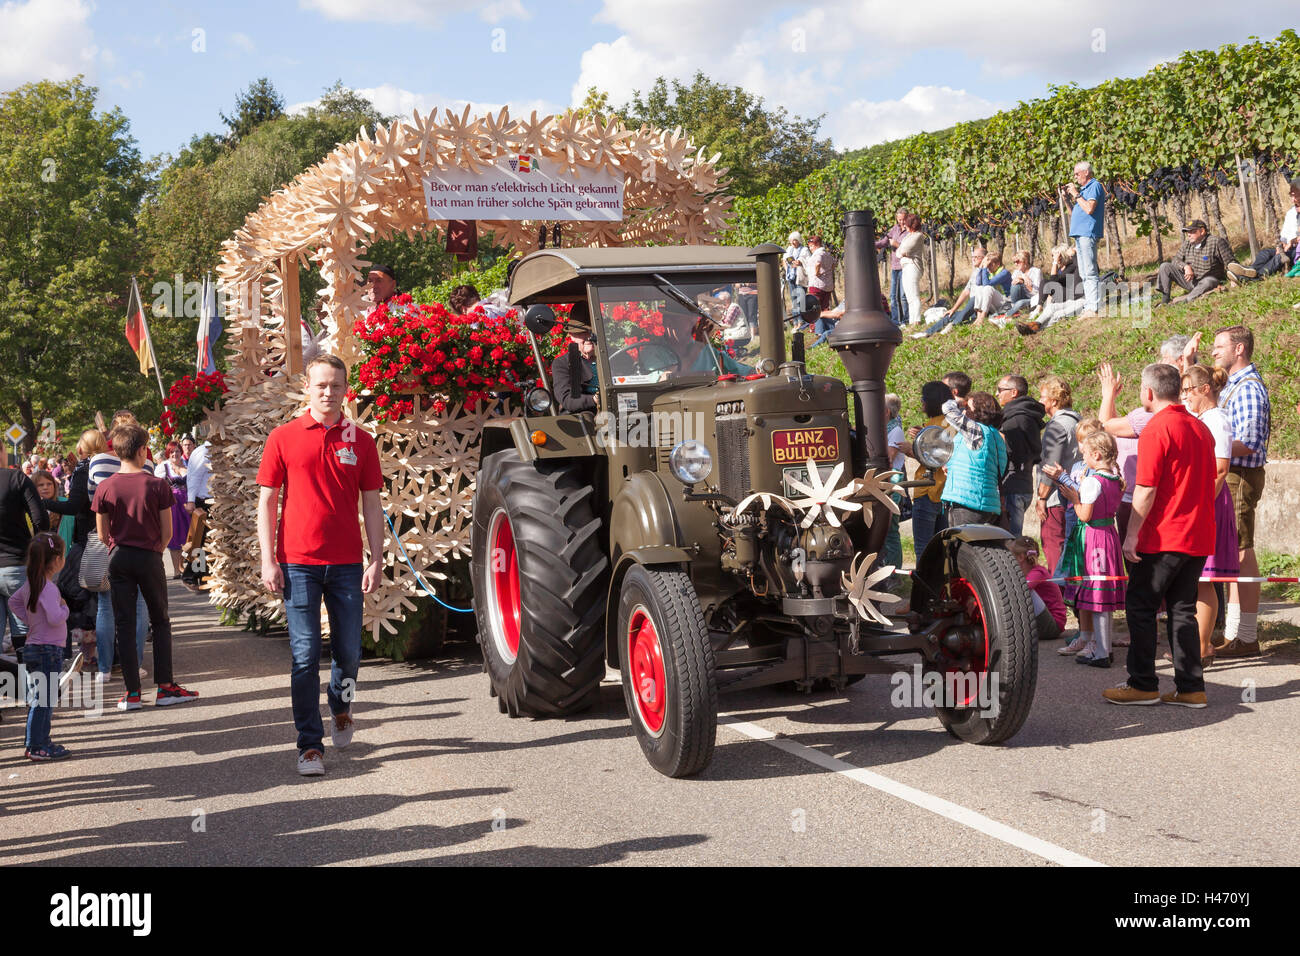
{"x":690,"y":461}
{"x":539,"y":401}
{"x":933,"y":445}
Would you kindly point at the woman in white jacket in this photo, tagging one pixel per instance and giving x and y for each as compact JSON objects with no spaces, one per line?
{"x":911,"y":249}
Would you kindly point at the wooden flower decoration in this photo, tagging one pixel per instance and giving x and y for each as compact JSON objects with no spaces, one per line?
{"x":823,"y":497}
{"x":858,"y":588}
{"x":465,"y":141}
{"x":767,"y":500}
{"x":878,"y":486}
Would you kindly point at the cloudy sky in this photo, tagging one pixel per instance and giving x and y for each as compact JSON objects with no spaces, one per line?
{"x":877,"y":69}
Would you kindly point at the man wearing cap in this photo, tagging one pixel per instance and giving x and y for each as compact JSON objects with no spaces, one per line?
{"x":1201,"y":265}
{"x":796,"y":255}
{"x":573,"y":373}
{"x":381,"y":285}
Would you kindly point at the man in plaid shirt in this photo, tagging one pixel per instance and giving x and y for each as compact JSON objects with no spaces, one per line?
{"x":1244,"y":400}
{"x":1201,"y":265}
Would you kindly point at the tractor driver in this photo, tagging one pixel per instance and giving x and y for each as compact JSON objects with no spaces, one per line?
{"x":687,"y":334}
{"x":573,"y":373}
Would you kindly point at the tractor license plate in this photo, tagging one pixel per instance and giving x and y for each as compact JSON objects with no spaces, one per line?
{"x":794,"y":446}
{"x":800,"y":474}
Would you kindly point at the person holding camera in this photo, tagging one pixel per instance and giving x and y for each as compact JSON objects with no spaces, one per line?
{"x":1087,"y":225}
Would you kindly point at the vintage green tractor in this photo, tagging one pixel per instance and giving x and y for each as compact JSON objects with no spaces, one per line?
{"x":714,"y":525}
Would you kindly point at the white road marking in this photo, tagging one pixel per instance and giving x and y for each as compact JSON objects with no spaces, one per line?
{"x":926,"y":801}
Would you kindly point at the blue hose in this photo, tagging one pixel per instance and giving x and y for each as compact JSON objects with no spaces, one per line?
{"x":419,"y":578}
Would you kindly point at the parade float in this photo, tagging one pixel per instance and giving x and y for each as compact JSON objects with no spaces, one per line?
{"x":572,"y":178}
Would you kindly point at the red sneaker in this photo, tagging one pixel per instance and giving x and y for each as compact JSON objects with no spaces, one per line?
{"x":174,"y":694}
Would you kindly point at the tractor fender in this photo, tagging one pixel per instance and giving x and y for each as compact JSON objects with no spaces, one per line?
{"x":651,"y":556}
{"x":642,"y":530}
{"x":930,"y":566}
{"x":497,"y":438}
{"x":642,"y":516}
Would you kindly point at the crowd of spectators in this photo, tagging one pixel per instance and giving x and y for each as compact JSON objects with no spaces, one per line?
{"x":1029,"y":298}
{"x":1133,"y":510}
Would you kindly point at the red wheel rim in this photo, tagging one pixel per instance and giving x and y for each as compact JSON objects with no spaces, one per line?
{"x":503,"y":578}
{"x":646,"y":666}
{"x":965,"y":595}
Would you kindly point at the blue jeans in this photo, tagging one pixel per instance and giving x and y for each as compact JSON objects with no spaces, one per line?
{"x":105,"y":629}
{"x":1087,"y":258}
{"x":1013,"y":513}
{"x":43,"y":664}
{"x":305,"y":585}
{"x":823,"y":327}
{"x":798,"y":299}
{"x":897,"y":301}
{"x":960,"y":317}
{"x":11,"y":579}
{"x":927,"y":520}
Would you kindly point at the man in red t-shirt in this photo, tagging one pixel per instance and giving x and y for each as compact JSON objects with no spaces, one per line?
{"x":323,"y":462}
{"x":1170,"y":535}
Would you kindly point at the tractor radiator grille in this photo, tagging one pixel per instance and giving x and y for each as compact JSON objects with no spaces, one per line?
{"x":733,"y":454}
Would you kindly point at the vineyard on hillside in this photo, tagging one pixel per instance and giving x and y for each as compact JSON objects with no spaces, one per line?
{"x":1158,"y":143}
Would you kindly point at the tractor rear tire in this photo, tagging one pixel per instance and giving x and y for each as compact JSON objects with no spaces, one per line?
{"x":668,"y":670}
{"x":540,"y":578}
{"x":1012,"y":646}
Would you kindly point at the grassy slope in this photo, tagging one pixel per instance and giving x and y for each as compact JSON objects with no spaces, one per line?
{"x":1073,"y":350}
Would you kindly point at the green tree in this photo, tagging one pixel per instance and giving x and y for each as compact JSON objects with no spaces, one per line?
{"x":761,"y":147}
{"x":203,"y":198}
{"x":71,"y":181}
{"x":595,"y":105}
{"x":258,"y":104}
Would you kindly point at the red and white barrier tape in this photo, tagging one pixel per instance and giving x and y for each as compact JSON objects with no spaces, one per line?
{"x":1213,"y":580}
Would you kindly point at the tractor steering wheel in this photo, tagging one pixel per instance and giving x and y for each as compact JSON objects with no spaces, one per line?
{"x":650,"y":357}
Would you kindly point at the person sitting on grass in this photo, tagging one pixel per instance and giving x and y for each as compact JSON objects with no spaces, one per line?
{"x":1049,"y":606}
{"x":961,"y":310}
{"x":1201,"y":265}
{"x":1283,"y":255}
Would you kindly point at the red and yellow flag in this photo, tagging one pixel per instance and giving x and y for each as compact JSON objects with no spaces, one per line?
{"x":137,"y":330}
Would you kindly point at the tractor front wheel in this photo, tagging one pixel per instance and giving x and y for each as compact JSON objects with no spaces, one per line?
{"x":1002,"y":654}
{"x":667,"y":664}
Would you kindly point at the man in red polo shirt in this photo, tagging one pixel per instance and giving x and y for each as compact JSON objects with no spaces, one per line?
{"x":1170,"y":535}
{"x":323,"y":462}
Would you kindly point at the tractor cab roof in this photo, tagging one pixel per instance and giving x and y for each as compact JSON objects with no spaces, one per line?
{"x":560,"y":275}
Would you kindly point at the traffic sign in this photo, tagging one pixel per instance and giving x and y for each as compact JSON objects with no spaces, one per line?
{"x":16,"y":433}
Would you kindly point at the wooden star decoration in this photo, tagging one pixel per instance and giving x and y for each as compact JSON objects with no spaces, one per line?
{"x":858,"y":588}
{"x":821,"y":498}
{"x":464,"y":141}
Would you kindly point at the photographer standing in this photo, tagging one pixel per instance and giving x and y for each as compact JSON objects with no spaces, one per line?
{"x":1087,"y":225}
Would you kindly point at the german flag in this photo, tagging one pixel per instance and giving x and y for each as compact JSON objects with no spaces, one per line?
{"x":137,"y":330}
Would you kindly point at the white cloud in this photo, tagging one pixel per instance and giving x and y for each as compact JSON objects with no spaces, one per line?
{"x":816,"y":58}
{"x":45,"y":40}
{"x":129,"y":81}
{"x":621,"y":68}
{"x":921,"y":109}
{"x":395,"y":101}
{"x":424,"y":12}
{"x":242,"y":42}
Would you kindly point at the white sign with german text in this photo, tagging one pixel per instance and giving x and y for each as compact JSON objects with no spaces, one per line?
{"x":524,"y":186}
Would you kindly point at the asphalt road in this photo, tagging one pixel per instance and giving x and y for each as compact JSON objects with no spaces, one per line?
{"x":437,"y":775}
